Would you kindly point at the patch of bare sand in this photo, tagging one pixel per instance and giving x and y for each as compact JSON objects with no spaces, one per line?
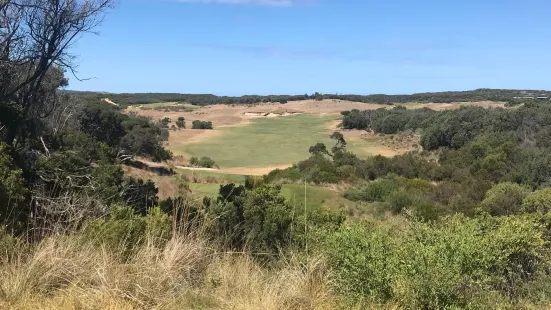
{"x":109,"y":101}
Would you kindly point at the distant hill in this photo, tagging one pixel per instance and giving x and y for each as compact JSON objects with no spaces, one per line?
{"x":208,"y":99}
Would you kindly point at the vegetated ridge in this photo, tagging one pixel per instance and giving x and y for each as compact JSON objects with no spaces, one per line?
{"x":483,"y":94}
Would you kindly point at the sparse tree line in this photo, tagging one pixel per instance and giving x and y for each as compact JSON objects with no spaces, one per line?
{"x":505,"y":95}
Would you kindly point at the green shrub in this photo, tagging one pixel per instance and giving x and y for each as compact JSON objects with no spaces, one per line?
{"x":201,"y":124}
{"x":124,"y":229}
{"x":400,"y":200}
{"x":538,"y":201}
{"x":505,"y":198}
{"x":12,"y":189}
{"x":454,"y":263}
{"x":377,"y":190}
{"x":206,"y":162}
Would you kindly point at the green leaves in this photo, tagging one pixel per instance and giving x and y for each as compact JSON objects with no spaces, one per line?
{"x":432,"y":266}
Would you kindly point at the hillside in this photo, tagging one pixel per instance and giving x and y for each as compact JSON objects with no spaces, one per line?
{"x":208,"y":99}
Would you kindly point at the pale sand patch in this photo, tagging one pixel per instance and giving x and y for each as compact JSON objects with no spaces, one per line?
{"x":197,"y":168}
{"x":109,"y":101}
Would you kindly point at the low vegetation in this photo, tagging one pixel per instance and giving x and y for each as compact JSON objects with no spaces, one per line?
{"x":499,"y":95}
{"x":201,"y":124}
{"x":204,"y":162}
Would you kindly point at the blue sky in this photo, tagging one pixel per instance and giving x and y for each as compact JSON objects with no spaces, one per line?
{"x":236,"y":47}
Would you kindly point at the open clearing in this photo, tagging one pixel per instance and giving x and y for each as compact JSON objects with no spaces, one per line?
{"x":255,"y":139}
{"x":316,"y":197}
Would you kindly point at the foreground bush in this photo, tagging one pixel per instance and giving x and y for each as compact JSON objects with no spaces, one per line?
{"x":459,"y":262}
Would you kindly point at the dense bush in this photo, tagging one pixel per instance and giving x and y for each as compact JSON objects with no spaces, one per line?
{"x":259,"y":219}
{"x":538,"y":201}
{"x":181,"y":122}
{"x":204,"y":161}
{"x":455,"y":263}
{"x":505,"y":199}
{"x":12,"y":189}
{"x":125,"y":229}
{"x":201,"y":124}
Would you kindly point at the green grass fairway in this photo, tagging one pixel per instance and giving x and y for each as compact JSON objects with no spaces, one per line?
{"x":202,"y":190}
{"x":266,"y":142}
{"x":316,"y":197}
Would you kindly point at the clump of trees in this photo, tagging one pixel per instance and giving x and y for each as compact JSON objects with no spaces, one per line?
{"x":60,"y":157}
{"x":181,"y":122}
{"x":201,"y":124}
{"x":205,"y":162}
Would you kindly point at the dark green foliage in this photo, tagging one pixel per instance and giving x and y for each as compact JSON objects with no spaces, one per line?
{"x":12,"y":190}
{"x":140,"y":195}
{"x":146,"y":141}
{"x":204,"y":161}
{"x":208,"y":99}
{"x":201,"y":124}
{"x":318,"y":149}
{"x":181,"y":122}
{"x":103,"y":122}
{"x":108,"y":178}
{"x":261,"y":220}
{"x":165,"y":121}
{"x":340,"y":143}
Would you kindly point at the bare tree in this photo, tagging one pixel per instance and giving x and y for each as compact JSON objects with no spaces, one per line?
{"x":35,"y":38}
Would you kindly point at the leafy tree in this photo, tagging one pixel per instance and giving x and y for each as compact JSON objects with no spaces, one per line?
{"x":181,"y":122}
{"x":505,"y":198}
{"x":340,"y":142}
{"x":201,"y":124}
{"x":538,"y":201}
{"x":32,"y":65}
{"x":140,"y":195}
{"x":165,"y":121}
{"x":206,"y":162}
{"x":146,"y":142}
{"x":103,"y":123}
{"x":319,"y":149}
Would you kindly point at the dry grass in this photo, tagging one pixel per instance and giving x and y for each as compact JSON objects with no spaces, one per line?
{"x":186,"y":273}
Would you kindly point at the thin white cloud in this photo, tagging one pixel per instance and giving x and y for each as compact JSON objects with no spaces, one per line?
{"x":278,"y":3}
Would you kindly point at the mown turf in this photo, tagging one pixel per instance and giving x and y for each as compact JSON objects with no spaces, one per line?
{"x":316,"y":197}
{"x":208,"y":189}
{"x":266,"y":142}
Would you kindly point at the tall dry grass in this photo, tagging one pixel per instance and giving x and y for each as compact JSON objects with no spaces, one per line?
{"x":71,"y":272}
